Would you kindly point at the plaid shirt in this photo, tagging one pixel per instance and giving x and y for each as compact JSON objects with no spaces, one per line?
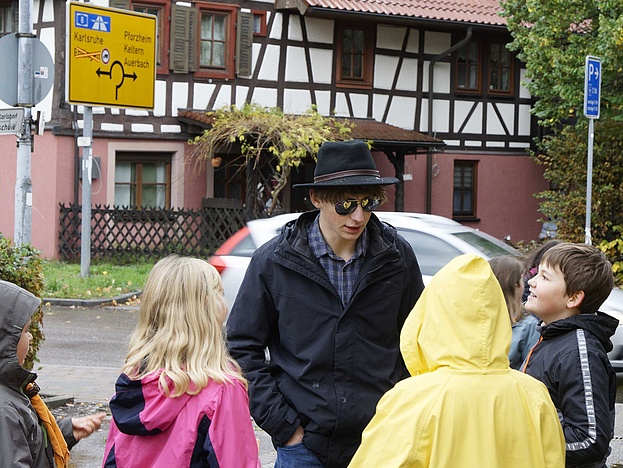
{"x":342,"y":274}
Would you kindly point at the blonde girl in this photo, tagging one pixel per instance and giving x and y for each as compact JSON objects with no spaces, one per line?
{"x":181,"y":399}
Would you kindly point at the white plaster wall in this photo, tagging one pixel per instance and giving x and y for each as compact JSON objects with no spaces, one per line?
{"x":402,"y":112}
{"x":296,"y":65}
{"x":413,"y":44}
{"x":524,"y":120}
{"x":266,"y":97}
{"x":296,"y":101}
{"x":461,"y":110}
{"x":523,"y":91}
{"x":441,"y":77}
{"x":277,"y":29}
{"x":407,"y":80}
{"x":436,"y":42}
{"x":160,"y":98}
{"x":323,"y":99}
{"x":241,"y":95}
{"x":48,"y":10}
{"x":270,"y":65}
{"x":441,"y":110}
{"x":379,"y":104}
{"x":360,"y":105}
{"x":341,"y":106}
{"x":321,"y":65}
{"x":384,"y":71}
{"x":494,"y":126}
{"x":137,"y":112}
{"x":319,"y":30}
{"x":295,"y":32}
{"x":224,"y":97}
{"x":202,"y":94}
{"x":142,"y":128}
{"x":390,"y":37}
{"x":179,"y":97}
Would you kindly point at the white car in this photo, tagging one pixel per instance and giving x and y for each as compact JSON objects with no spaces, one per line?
{"x":436,"y":240}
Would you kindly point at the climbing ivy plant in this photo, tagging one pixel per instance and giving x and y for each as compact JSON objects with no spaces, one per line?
{"x":264,"y":132}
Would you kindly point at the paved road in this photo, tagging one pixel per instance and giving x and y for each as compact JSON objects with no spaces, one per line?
{"x":84,"y":350}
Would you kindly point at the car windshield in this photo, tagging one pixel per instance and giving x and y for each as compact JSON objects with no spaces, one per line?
{"x":486,"y":246}
{"x":432,"y":253}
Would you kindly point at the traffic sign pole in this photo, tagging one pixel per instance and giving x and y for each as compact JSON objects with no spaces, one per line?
{"x":22,"y":229}
{"x":592,"y":98}
{"x":87,"y":161}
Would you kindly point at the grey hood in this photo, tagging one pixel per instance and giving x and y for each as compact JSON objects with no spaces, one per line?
{"x":16,"y":307}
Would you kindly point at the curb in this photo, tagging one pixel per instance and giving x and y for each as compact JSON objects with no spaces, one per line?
{"x":56,"y":401}
{"x":122,"y":299}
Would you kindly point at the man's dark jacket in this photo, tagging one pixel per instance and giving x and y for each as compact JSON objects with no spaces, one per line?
{"x":329,"y":364}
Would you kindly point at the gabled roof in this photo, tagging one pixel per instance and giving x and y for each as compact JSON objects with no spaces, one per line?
{"x":383,"y":135}
{"x":485,"y":12}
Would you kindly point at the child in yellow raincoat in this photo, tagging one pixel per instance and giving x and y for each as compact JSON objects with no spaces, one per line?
{"x":463,"y":406}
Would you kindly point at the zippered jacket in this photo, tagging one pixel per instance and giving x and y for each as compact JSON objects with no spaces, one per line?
{"x":572,"y":361}
{"x":211,"y":429}
{"x":22,"y":441}
{"x":329,"y":364}
{"x":464,"y":406}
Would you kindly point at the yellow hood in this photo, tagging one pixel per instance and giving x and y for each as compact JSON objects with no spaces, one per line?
{"x":460,"y":321}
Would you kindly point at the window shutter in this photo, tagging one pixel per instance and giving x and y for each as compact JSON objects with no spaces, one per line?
{"x":123,"y":4}
{"x":183,"y":39}
{"x":244,"y":43}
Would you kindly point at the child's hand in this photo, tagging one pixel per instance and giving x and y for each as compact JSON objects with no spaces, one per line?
{"x":86,"y":425}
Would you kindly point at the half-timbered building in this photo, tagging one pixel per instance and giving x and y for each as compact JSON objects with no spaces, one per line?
{"x":432,"y":84}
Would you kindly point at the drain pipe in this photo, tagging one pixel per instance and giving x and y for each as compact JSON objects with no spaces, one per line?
{"x":429,"y":154}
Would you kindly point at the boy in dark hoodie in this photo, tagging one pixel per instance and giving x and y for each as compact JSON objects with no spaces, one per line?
{"x":571,"y":357}
{"x":29,"y":435}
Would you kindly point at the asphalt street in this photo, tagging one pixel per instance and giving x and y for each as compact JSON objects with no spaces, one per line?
{"x":81,"y":360}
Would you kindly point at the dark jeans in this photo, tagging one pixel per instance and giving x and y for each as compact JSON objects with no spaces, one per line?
{"x":297,"y":456}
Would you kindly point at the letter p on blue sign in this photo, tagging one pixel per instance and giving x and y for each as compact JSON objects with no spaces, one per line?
{"x":592,"y":87}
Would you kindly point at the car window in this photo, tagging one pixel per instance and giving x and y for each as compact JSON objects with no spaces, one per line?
{"x":432,"y":253}
{"x":244,"y":248}
{"x":486,"y":246}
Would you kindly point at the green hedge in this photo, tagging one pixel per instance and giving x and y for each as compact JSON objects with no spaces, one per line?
{"x":22,"y":265}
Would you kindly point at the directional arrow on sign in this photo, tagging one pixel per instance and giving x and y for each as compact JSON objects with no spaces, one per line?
{"x":123,"y":75}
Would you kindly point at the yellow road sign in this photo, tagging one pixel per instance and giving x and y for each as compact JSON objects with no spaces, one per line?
{"x":111,"y":57}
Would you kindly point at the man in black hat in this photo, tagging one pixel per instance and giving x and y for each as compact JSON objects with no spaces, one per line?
{"x":327,"y":298}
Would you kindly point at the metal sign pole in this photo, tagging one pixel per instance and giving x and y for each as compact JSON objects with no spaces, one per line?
{"x":592,"y":98}
{"x":22,"y":229}
{"x":589,"y":181}
{"x":87,"y":164}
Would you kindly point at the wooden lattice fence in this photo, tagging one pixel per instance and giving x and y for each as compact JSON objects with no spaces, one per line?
{"x":124,"y":235}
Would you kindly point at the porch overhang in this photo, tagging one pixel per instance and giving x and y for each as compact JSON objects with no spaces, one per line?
{"x":384,"y":137}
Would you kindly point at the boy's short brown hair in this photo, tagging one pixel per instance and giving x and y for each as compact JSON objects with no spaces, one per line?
{"x":585,"y":268}
{"x":334,"y":194}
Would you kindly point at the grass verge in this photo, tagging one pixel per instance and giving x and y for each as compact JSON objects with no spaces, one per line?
{"x":62,"y":280}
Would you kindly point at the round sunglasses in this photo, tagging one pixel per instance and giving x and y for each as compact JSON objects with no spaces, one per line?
{"x":346,"y":207}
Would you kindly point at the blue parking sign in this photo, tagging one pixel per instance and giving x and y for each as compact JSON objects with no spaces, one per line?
{"x":592,"y":87}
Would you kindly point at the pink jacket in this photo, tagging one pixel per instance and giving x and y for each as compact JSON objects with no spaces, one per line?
{"x":211,"y":429}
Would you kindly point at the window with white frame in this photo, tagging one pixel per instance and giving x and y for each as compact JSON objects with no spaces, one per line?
{"x":143,"y":180}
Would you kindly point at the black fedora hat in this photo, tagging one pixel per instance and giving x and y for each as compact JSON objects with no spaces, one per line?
{"x":346,"y":163}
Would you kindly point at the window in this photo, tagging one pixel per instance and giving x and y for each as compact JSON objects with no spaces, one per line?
{"x":162,"y":11}
{"x":230,"y":181}
{"x":500,"y":61}
{"x":143,"y":180}
{"x":355,"y":55}
{"x":484,"y":66}
{"x":468,"y":67}
{"x":6,"y":19}
{"x":216,"y":41}
{"x":464,"y":200}
{"x":259,"y":23}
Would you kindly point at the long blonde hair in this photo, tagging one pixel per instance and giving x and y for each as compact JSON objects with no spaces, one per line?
{"x":179,"y":329}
